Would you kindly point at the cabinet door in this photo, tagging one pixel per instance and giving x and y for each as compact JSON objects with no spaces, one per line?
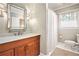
{"x":20,"y":51}
{"x":32,"y":48}
{"x":7,"y":53}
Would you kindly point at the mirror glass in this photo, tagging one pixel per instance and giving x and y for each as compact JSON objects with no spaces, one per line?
{"x":16,"y":18}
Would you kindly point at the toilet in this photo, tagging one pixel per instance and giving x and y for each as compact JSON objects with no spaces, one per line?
{"x":72,"y":43}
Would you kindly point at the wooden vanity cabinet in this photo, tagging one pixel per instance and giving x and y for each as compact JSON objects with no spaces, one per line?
{"x":20,"y":51}
{"x":24,"y":47}
{"x":7,"y":53}
{"x":33,"y":48}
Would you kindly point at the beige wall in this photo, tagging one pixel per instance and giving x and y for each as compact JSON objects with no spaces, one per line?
{"x":40,"y":25}
{"x":68,"y":34}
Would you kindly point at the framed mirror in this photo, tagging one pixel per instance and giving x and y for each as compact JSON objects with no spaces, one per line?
{"x":16,"y":18}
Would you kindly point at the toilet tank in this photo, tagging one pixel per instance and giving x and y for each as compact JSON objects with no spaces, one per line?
{"x":78,"y":38}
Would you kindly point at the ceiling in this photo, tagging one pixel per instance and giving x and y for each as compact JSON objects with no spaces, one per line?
{"x":53,"y":6}
{"x":24,"y":5}
{"x":56,"y":6}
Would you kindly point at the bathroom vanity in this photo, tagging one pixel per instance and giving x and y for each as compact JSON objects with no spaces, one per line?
{"x":23,"y":45}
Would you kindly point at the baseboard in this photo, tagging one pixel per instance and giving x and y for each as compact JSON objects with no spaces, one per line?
{"x":42,"y":54}
{"x":49,"y":54}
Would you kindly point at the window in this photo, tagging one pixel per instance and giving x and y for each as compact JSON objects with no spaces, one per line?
{"x":68,"y":19}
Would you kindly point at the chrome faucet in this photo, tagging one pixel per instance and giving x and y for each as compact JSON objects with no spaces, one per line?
{"x":18,"y":33}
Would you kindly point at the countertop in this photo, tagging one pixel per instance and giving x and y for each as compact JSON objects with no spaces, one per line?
{"x":14,"y":38}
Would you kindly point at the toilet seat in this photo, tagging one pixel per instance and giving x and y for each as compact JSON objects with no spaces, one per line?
{"x":70,"y":43}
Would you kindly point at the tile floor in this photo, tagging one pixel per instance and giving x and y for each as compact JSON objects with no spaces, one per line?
{"x":62,"y":52}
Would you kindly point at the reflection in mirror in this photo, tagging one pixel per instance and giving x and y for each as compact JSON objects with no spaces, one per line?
{"x":16,"y":19}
